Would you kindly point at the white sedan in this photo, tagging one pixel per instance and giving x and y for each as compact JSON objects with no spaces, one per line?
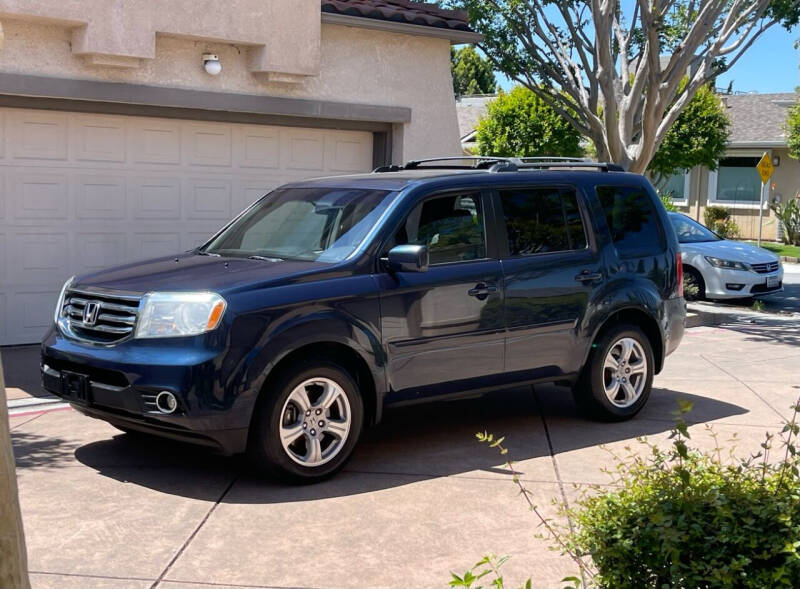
{"x":721,"y":268}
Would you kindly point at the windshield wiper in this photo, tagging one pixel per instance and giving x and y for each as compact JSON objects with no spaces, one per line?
{"x":265,"y":258}
{"x":203,"y":253}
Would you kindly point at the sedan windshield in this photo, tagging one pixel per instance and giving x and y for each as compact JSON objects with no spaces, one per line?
{"x":690,"y":231}
{"x":315,"y":224}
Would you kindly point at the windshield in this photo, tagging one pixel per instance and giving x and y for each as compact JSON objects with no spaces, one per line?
{"x":690,"y":231}
{"x":314,"y":224}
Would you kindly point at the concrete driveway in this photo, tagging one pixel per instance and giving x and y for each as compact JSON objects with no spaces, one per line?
{"x":421,"y":497}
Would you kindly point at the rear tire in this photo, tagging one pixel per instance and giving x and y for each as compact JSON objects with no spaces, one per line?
{"x":307,"y":423}
{"x":694,"y":278}
{"x":618,"y":376}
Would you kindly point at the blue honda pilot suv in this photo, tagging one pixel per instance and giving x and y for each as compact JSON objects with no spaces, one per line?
{"x":329,"y":300}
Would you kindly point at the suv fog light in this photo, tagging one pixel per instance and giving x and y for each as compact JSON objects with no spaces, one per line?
{"x":730,"y":286}
{"x":166,"y":402}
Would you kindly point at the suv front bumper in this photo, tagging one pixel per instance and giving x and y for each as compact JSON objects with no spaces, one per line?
{"x":121,"y":382}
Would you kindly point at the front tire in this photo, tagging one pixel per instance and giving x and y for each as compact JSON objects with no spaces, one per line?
{"x":617,"y":379}
{"x":695,"y":286}
{"x":307,"y":423}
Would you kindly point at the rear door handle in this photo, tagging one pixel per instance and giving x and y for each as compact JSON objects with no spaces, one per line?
{"x":482,"y":290}
{"x":587,"y":276}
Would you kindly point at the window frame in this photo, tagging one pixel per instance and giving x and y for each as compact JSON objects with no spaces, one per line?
{"x":687,"y":186}
{"x":502,"y":231}
{"x":489,"y":223}
{"x":713,"y":178}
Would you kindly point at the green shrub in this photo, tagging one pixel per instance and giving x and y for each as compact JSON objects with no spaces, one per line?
{"x":789,"y":215}
{"x":718,"y":219}
{"x":684,"y":519}
{"x":666,"y":200}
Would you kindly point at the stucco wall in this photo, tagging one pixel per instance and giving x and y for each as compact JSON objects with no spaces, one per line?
{"x":358,"y":65}
{"x":785,"y":181}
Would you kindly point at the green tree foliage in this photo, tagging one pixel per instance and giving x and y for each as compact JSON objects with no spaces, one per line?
{"x":698,"y":137}
{"x":519,"y":123}
{"x":621,"y":72}
{"x":793,"y":130}
{"x":472,"y":74}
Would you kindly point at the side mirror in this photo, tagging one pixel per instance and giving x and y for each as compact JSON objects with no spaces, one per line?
{"x":408,"y":258}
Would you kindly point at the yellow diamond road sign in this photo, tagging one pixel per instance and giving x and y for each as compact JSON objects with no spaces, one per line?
{"x":765,"y":168}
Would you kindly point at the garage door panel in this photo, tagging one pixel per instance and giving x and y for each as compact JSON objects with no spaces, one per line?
{"x":100,"y":197}
{"x":40,"y":196}
{"x":32,"y":312}
{"x":155,"y":141}
{"x":152,"y":245}
{"x":95,"y":251}
{"x":39,"y":257}
{"x":97,"y":138}
{"x":208,"y":144}
{"x":39,"y":135}
{"x":257,"y":147}
{"x":80,"y":192}
{"x":156,"y":198}
{"x":207,"y":199}
{"x":303,"y":150}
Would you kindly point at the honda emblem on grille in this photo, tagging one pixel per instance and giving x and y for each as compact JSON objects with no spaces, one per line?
{"x":90,"y":312}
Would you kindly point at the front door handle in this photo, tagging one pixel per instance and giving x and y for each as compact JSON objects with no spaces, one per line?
{"x":587,"y":276}
{"x":482,"y":290}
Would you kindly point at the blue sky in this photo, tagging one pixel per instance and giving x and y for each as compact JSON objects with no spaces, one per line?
{"x":772,"y":64}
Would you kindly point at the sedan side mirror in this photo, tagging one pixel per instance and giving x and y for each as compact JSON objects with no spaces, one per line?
{"x":408,"y":258}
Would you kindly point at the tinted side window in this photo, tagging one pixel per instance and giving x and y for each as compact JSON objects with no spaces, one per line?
{"x":541,"y":220}
{"x":451,"y":226}
{"x":632,"y":220}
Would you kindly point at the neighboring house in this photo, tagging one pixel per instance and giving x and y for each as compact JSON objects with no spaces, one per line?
{"x":758,"y":126}
{"x":470,"y":110}
{"x":119,"y":144}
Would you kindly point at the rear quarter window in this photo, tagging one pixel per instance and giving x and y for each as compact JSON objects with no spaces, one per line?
{"x":632,"y":220}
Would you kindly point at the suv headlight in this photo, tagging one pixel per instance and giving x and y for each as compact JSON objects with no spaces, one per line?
{"x":60,"y":305}
{"x":175,"y":314}
{"x":727,"y":264}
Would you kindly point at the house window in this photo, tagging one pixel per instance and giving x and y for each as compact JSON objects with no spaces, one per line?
{"x":736,"y":181}
{"x":677,"y":187}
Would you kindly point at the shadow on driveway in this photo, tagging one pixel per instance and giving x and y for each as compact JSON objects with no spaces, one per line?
{"x":412,"y":443}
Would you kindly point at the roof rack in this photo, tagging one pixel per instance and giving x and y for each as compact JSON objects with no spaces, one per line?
{"x":500,"y":164}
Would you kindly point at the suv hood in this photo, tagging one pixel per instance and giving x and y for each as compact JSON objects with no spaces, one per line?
{"x":191,"y":272}
{"x":730,"y":250}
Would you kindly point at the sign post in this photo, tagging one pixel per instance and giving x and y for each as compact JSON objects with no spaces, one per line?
{"x":765,"y":169}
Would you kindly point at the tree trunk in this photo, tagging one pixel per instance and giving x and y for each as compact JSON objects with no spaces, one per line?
{"x":13,"y":558}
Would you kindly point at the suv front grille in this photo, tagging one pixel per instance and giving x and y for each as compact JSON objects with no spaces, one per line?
{"x":100,"y":317}
{"x":765,"y":268}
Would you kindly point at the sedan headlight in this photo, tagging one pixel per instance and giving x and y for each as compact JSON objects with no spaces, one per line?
{"x":175,"y":314}
{"x":727,"y":264}
{"x":60,"y":304}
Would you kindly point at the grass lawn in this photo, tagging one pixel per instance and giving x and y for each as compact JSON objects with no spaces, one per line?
{"x":780,"y":248}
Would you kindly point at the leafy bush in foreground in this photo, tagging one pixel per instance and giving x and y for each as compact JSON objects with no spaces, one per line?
{"x":681,"y":518}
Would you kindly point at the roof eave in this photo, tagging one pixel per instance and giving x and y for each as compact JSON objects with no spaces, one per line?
{"x":455,"y":36}
{"x":756,"y":144}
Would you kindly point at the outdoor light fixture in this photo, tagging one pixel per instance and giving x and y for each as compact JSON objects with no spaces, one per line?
{"x":211,"y":63}
{"x":776,"y":160}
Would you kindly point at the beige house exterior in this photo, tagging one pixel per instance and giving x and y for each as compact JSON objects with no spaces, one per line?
{"x":117,"y":144}
{"x":758,"y":127}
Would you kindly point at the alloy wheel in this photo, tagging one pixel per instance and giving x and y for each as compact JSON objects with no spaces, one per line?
{"x":315,"y":422}
{"x":625,"y":372}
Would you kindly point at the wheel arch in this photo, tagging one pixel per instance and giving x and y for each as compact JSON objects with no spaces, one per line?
{"x":640,"y":318}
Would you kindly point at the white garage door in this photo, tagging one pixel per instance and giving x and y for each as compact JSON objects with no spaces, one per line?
{"x":82,"y":192}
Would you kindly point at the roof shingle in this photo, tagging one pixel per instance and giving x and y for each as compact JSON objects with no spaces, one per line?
{"x":759,"y":118}
{"x":403,"y":11}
